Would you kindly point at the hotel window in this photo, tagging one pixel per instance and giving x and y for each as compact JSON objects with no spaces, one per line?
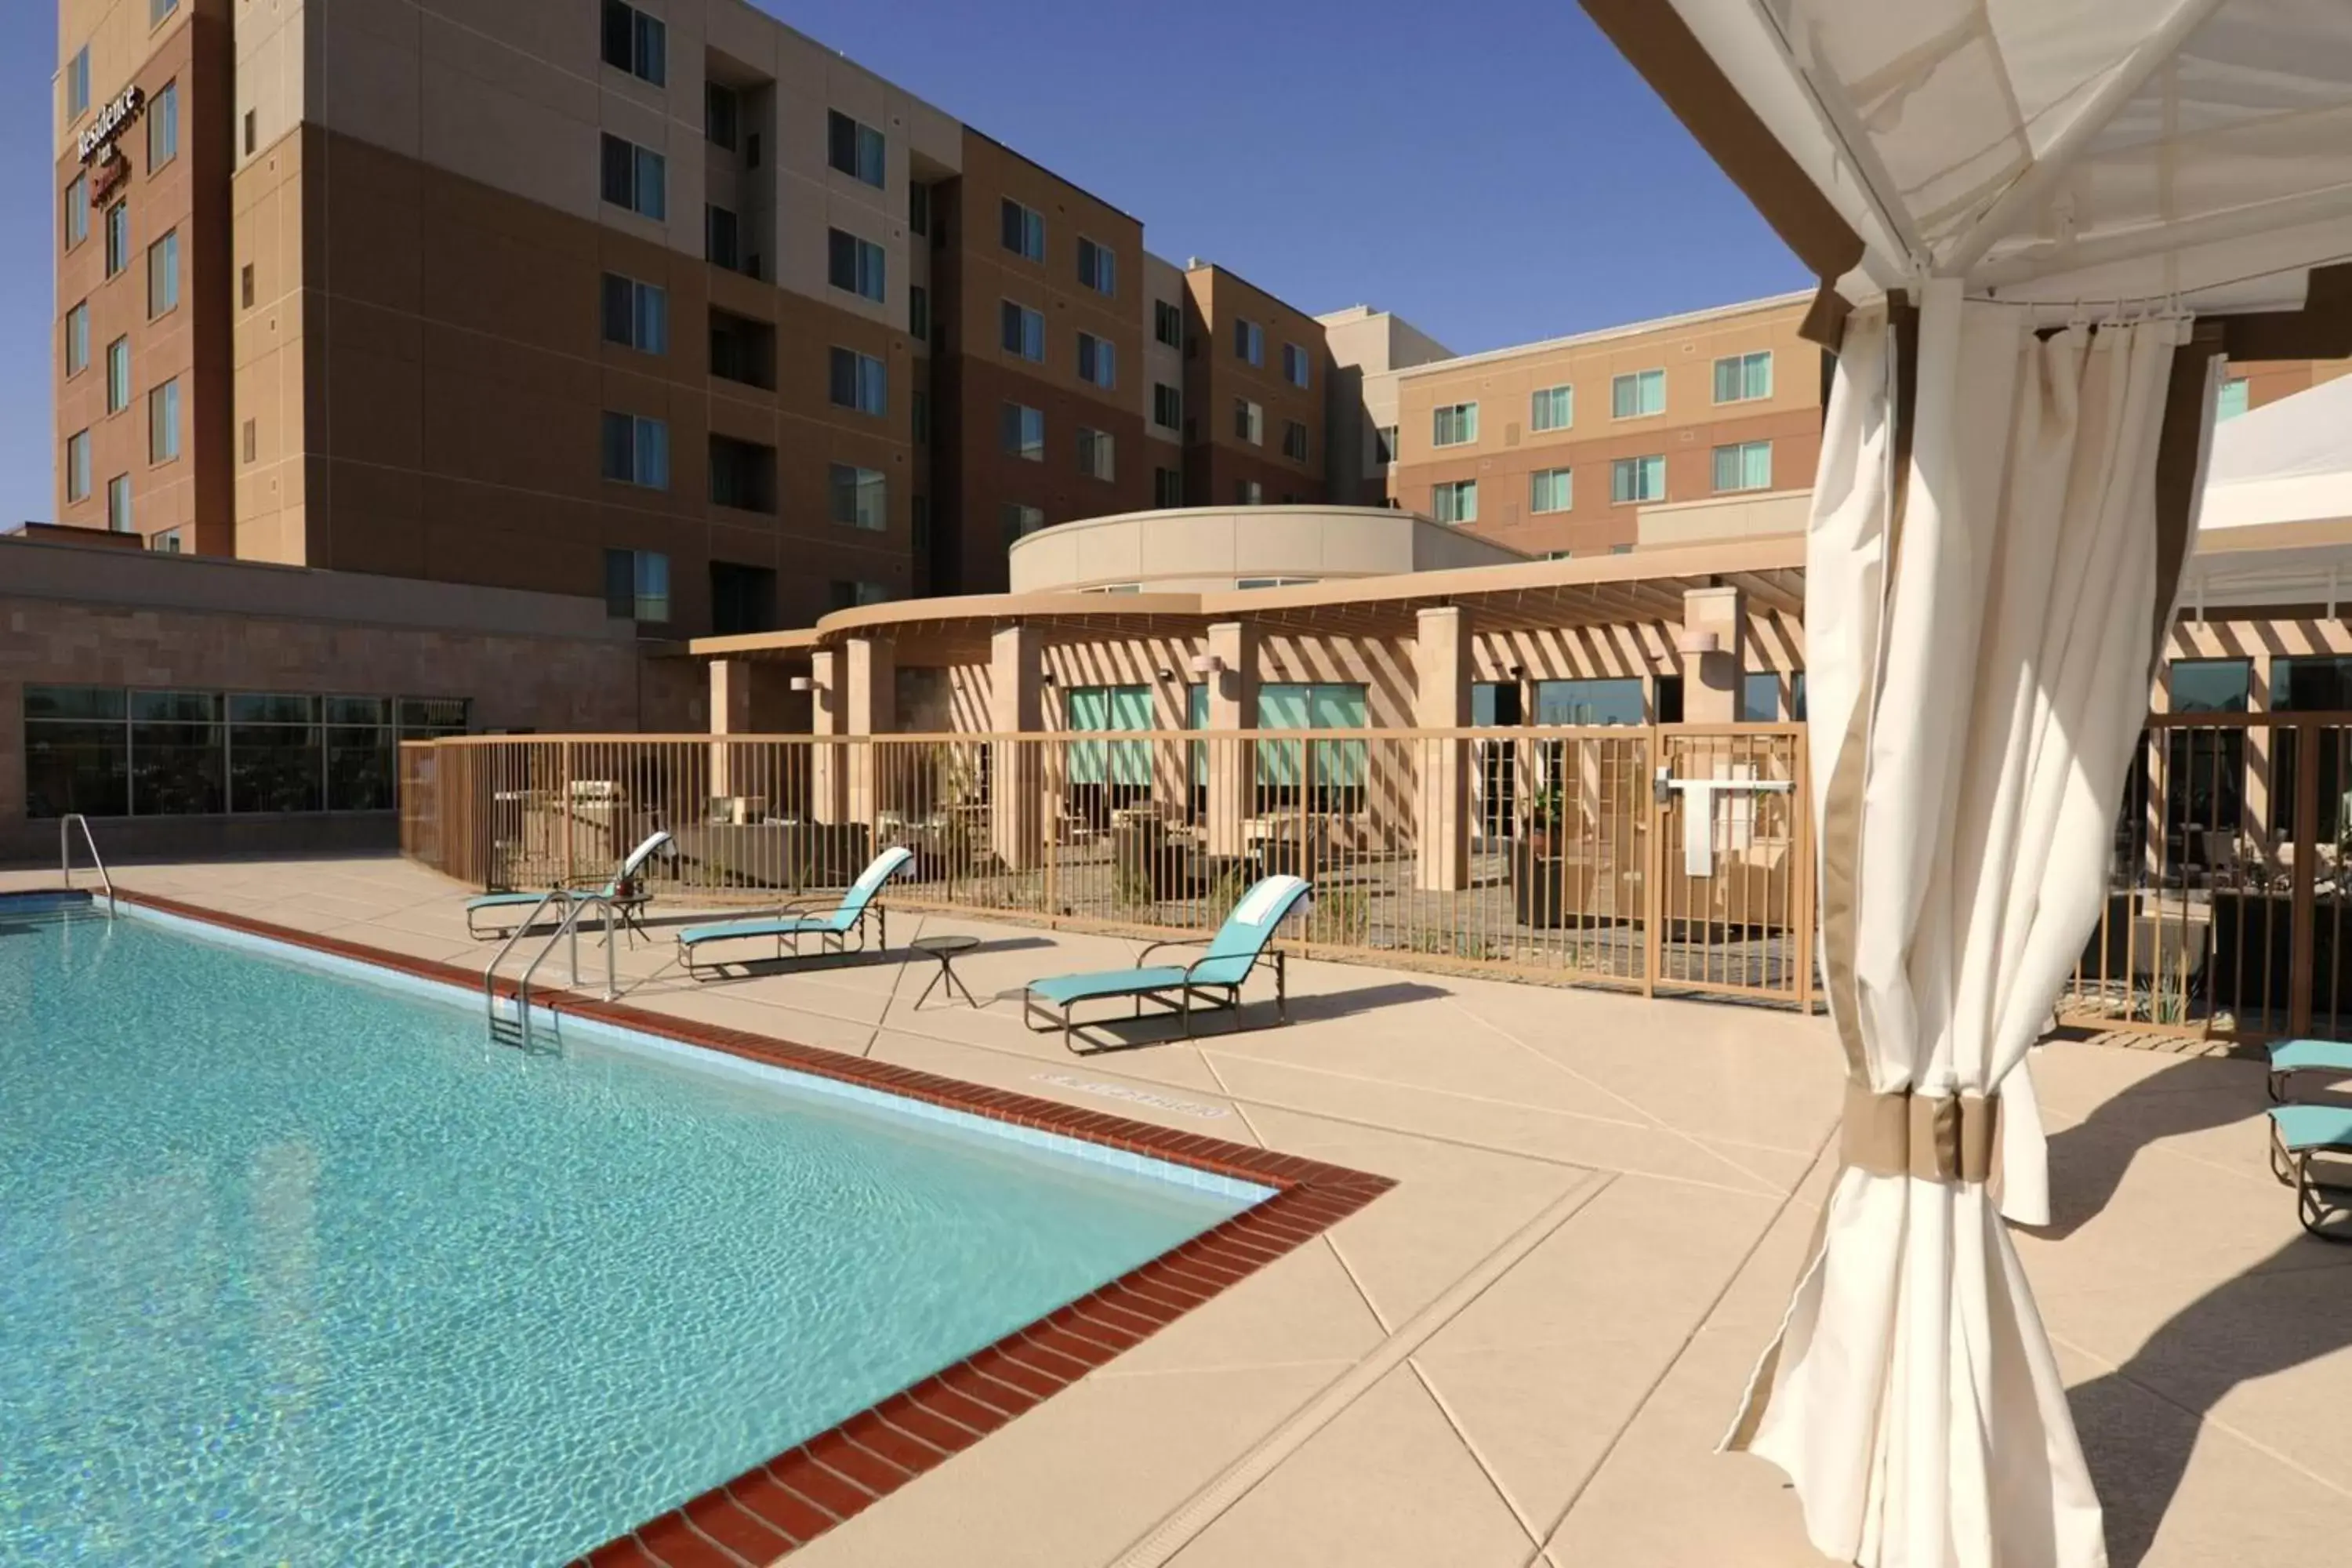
{"x":166,"y":543}
{"x":117,"y":375}
{"x":77,"y":85}
{"x":858,"y":382}
{"x":722,"y":115}
{"x":1020,"y":522}
{"x":855,"y":265}
{"x":252,"y":439}
{"x":164,"y":126}
{"x":1746,"y":466}
{"x":722,"y":239}
{"x":1607,"y":700}
{"x":919,"y":416}
{"x":1552,"y":408}
{"x":1457,"y":502}
{"x":1248,"y":493}
{"x":1249,"y":342}
{"x":1384,"y":445}
{"x":1098,"y":362}
{"x":159,"y":9}
{"x":1635,"y":479}
{"x":635,"y":43}
{"x":918,"y":524}
{"x":918,"y":312}
{"x":845,"y":593}
{"x":637,"y":450}
{"x":1024,"y":432}
{"x":1022,"y":230}
{"x":1743,"y":378}
{"x":164,"y":422}
{"x":636,"y":178}
{"x":245,"y":286}
{"x":117,"y":237}
{"x":1023,"y":330}
{"x":164,"y":275}
{"x":1294,"y":441}
{"x":2231,"y":403}
{"x":1249,"y":421}
{"x":1168,"y":323}
{"x":919,"y":208}
{"x":1293,"y":365}
{"x":636,"y":585}
{"x":1552,"y":489}
{"x":1095,"y":457}
{"x":77,"y":339}
{"x":1634,"y":396}
{"x":1167,"y":488}
{"x":857,"y":498}
{"x":854,"y":147}
{"x":1166,"y":405}
{"x":1098,"y":267}
{"x":1759,"y":697}
{"x":252,"y":132}
{"x":2210,"y":684}
{"x":636,"y":315}
{"x":77,"y":213}
{"x":78,"y":466}
{"x":1453,"y":425}
{"x":118,"y":504}
{"x":1331,"y":773}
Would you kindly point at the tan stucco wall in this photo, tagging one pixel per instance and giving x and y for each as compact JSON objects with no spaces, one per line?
{"x":1208,"y":549}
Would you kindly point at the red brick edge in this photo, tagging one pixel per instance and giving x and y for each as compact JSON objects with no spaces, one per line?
{"x":772,"y":1509}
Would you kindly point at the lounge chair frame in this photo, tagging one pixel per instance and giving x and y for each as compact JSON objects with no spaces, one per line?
{"x":2324,"y":1207}
{"x":1177,"y":999}
{"x":831,"y":942}
{"x":523,"y":905}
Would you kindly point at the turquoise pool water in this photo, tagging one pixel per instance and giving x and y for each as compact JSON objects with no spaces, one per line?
{"x":295,"y":1269}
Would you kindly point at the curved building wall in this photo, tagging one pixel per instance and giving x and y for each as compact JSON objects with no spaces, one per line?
{"x":1213,"y":549}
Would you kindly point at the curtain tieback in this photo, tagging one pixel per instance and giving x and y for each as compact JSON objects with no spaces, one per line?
{"x":1938,"y":1138}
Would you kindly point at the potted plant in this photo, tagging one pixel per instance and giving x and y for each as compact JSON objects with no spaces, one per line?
{"x":1539,"y":868}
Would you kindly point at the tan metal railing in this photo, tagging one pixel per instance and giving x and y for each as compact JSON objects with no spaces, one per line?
{"x":1557,"y":853}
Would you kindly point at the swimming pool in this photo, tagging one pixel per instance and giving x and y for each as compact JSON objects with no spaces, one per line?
{"x":294,"y":1266}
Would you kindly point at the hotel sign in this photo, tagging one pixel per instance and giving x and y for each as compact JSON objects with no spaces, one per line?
{"x":109,"y":122}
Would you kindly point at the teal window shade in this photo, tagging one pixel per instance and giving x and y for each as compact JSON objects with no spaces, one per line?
{"x":1552,"y":408}
{"x":1196,"y":717}
{"x":1746,"y":466}
{"x":1099,"y":709}
{"x":1739,"y":378}
{"x":1552,"y":489}
{"x":1632,"y":479}
{"x":2233,"y":400}
{"x":1641,"y":393}
{"x":1298,"y":705}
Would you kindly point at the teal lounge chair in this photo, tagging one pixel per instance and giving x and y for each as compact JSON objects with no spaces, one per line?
{"x":518,"y":907}
{"x":2298,"y":1132}
{"x":2289,"y":1057}
{"x":794,"y":921}
{"x":1239,"y":947}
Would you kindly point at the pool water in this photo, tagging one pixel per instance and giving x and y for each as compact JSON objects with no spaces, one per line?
{"x":296,"y":1267}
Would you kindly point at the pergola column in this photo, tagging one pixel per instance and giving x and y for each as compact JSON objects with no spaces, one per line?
{"x":1442,"y":661}
{"x":828,"y":705}
{"x":871,"y":709}
{"x":1714,"y":649}
{"x":730,"y":715}
{"x":1016,"y":701}
{"x":1233,"y":711}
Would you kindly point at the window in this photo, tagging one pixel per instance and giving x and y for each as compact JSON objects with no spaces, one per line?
{"x":1098,"y":267}
{"x":857,"y":498}
{"x":1453,"y":425}
{"x":1095,"y":709}
{"x":857,"y":382}
{"x":1249,"y":492}
{"x":918,"y":312}
{"x":1456,"y":502}
{"x":276,"y":751}
{"x":245,"y":287}
{"x":635,"y":43}
{"x":77,"y":213}
{"x":164,"y":275}
{"x":164,"y":126}
{"x":78,"y":466}
{"x":722,"y":241}
{"x":1552,"y":408}
{"x":1098,"y":363}
{"x":1022,"y":230}
{"x":1294,"y":441}
{"x":845,"y":595}
{"x":636,"y":585}
{"x":2210,"y":684}
{"x":636,"y":315}
{"x":1552,"y":489}
{"x":166,"y":543}
{"x":164,"y":422}
{"x":743,"y":350}
{"x":1746,"y":466}
{"x":1020,"y":522}
{"x":252,"y":439}
{"x":856,"y":265}
{"x":1167,"y":488}
{"x":1095,"y":454}
{"x":918,"y":524}
{"x":742,"y":475}
{"x":1616,"y":701}
{"x":2231,"y":403}
{"x":117,"y":237}
{"x":722,"y":114}
{"x":252,"y":132}
{"x":1636,"y":395}
{"x":77,"y":85}
{"x":1637,"y":479}
{"x":1168,"y":322}
{"x":1384,"y":445}
{"x":1249,"y":342}
{"x":118,"y":504}
{"x":919,"y":208}
{"x":1023,"y":330}
{"x":159,"y":9}
{"x":636,"y":178}
{"x":1327,"y":767}
{"x":1166,"y":405}
{"x":77,"y":339}
{"x":117,"y":375}
{"x":1759,"y":697}
{"x":1024,"y":432}
{"x":854,"y":147}
{"x":637,"y":450}
{"x":1249,"y":421}
{"x":1743,"y":378}
{"x":919,"y":416}
{"x":1293,"y":365}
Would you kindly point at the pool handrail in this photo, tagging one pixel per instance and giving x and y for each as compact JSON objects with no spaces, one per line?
{"x":65,"y":824}
{"x":569,"y":926}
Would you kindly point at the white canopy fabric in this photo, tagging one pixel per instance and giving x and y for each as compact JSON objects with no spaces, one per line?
{"x":2289,"y":461}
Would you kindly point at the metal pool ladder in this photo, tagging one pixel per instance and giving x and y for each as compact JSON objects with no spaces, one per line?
{"x":515,"y":1029}
{"x":65,"y":824}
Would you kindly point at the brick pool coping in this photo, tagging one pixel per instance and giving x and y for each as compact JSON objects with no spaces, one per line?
{"x":773,"y":1508}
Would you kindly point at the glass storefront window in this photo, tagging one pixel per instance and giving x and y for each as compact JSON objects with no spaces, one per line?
{"x":179,"y":755}
{"x":360,"y":752}
{"x":76,"y":752}
{"x":275,"y":759}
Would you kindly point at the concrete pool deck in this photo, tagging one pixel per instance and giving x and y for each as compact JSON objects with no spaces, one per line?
{"x":1524,"y":1353}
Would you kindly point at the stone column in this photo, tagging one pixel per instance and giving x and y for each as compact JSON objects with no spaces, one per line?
{"x":828,"y":708}
{"x":1714,"y":651}
{"x":1233,"y":711}
{"x":1442,"y":659}
{"x":871,"y":709}
{"x":730,"y":715}
{"x":1016,"y":692}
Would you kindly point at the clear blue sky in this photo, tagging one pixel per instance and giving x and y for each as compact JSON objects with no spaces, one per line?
{"x":1490,"y":169}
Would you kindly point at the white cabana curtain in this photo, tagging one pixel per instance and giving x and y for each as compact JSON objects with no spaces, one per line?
{"x":1981,"y":634}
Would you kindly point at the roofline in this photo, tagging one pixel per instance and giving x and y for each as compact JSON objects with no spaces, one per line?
{"x":1012,"y":152}
{"x":1802,"y":297}
{"x":1221,"y":267}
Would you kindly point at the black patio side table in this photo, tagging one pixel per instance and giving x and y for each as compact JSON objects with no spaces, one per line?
{"x":946,"y":949}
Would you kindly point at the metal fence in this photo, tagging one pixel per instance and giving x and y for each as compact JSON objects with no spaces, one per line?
{"x":1673,"y":858}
